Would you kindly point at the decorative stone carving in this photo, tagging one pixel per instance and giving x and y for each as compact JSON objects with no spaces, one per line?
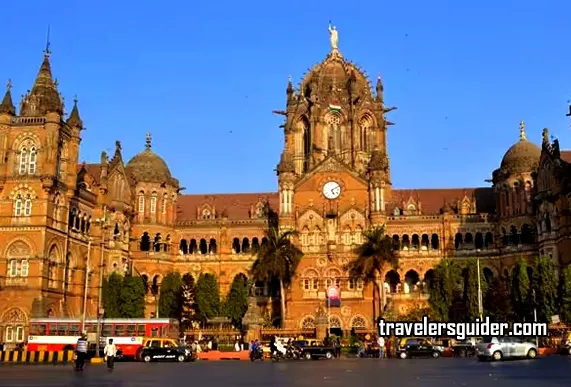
{"x":346,"y":311}
{"x":19,"y":249}
{"x":321,"y":262}
{"x":331,"y":165}
{"x":14,"y":315}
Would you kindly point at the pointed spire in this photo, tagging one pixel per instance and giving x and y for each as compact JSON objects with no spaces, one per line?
{"x":148,"y":141}
{"x":522,"y":135}
{"x":289,"y":89}
{"x":7,"y":106}
{"x":380,"y":88}
{"x":43,"y":97}
{"x":74,"y":119}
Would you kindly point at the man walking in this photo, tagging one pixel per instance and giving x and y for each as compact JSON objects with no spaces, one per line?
{"x":110,"y":351}
{"x":381,"y":343}
{"x":80,"y":352}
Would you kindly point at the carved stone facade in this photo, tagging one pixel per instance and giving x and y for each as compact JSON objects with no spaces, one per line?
{"x":63,"y":224}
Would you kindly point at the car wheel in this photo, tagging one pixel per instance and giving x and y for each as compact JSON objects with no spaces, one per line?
{"x":531,"y":354}
{"x":138,"y":354}
{"x":568,"y":351}
{"x":181,"y":358}
{"x":435,"y":354}
{"x":497,"y":355}
{"x":462,"y":353}
{"x":402,"y":355}
{"x":147,"y":358}
{"x":307,"y":356}
{"x":328,"y":355}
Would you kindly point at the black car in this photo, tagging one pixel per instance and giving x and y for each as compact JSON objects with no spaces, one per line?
{"x":419,"y":348}
{"x":178,"y":354}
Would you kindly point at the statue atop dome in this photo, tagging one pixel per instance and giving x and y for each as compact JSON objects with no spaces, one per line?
{"x":333,"y":37}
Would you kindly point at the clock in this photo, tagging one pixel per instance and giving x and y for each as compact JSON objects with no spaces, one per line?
{"x":331,"y":190}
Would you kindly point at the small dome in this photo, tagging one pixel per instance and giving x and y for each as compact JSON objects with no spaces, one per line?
{"x":149,"y":167}
{"x":522,"y":157}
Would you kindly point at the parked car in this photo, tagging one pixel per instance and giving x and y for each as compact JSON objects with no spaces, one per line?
{"x":465,"y":348}
{"x":503,"y":347}
{"x":179,"y":354}
{"x":315,"y":351}
{"x":418,"y":347}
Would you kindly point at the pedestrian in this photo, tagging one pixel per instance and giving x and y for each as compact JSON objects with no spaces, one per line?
{"x":338,"y":348}
{"x":80,"y":352}
{"x":110,"y":351}
{"x":381,"y":343}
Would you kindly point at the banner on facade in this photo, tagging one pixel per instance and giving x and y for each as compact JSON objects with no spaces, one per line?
{"x":333,"y":297}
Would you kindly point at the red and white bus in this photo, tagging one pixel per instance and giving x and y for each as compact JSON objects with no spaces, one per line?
{"x":53,"y":334}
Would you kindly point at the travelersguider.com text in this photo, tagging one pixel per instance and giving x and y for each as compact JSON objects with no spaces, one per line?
{"x":460,"y":330}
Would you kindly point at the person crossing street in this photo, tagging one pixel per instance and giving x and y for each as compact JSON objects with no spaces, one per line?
{"x":110,"y":351}
{"x":80,"y":352}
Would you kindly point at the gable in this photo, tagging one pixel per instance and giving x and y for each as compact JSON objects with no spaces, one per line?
{"x":331,"y":169}
{"x":118,"y":187}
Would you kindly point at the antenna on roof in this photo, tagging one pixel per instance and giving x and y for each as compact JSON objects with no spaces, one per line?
{"x":47,"y":51}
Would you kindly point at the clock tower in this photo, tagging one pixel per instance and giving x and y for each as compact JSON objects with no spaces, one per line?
{"x":334,"y":176}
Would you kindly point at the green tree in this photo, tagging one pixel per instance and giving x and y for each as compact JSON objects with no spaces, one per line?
{"x":471,"y":291}
{"x":521,"y":291}
{"x":544,"y":287}
{"x":416,"y":313}
{"x":374,"y":255}
{"x":443,"y":288}
{"x":133,"y":297}
{"x":497,"y":302}
{"x":171,"y":298}
{"x":277,"y":259}
{"x":112,"y":295}
{"x":207,"y":297}
{"x":236,"y":303}
{"x":188,"y":301}
{"x":564,"y":296}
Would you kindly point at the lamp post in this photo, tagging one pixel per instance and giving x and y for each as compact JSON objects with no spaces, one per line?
{"x":103,"y":223}
{"x":480,"y":303}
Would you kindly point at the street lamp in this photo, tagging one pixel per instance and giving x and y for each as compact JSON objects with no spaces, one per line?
{"x":480,"y":303}
{"x":86,"y":284}
{"x":103,"y":224}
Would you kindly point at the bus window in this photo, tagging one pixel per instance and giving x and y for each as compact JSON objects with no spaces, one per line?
{"x":62,"y":329}
{"x":91,"y":328}
{"x":107,"y":330}
{"x":141,"y":331}
{"x":119,"y":330}
{"x":74,"y":329}
{"x":154,"y":332}
{"x":131,"y":330}
{"x":53,"y":329}
{"x":38,"y":329}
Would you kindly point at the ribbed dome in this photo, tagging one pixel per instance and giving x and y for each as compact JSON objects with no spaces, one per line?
{"x":522,"y":157}
{"x":148,"y":167}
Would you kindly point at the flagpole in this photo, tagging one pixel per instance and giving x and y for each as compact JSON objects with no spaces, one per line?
{"x":480,"y":306}
{"x":328,"y":315}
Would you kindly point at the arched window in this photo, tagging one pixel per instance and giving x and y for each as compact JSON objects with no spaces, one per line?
{"x":141,"y":202}
{"x":164,"y":205}
{"x":23,"y":205}
{"x":32,"y":162}
{"x":154,"y":203}
{"x":206,"y":214}
{"x":28,"y":206}
{"x":24,"y":157}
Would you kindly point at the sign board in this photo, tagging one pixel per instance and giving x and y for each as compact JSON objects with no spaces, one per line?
{"x":333,"y":297}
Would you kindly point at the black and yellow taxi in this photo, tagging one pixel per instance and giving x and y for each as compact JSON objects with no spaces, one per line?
{"x":157,"y":351}
{"x":418,"y":347}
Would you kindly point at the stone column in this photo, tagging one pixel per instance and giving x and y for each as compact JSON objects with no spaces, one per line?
{"x":321,"y":323}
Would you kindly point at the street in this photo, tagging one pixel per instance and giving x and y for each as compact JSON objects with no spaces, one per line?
{"x":549,"y":371}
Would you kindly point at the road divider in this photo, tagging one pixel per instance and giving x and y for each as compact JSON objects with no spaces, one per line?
{"x":32,"y":357}
{"x":219,"y":355}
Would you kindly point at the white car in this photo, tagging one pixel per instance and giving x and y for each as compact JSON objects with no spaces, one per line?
{"x":498,"y":348}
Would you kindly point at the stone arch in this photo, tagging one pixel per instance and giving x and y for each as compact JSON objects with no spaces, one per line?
{"x":358,"y":321}
{"x":335,"y":321}
{"x":54,"y":253}
{"x":18,"y":248}
{"x":12,"y":327}
{"x":307,"y":322}
{"x":238,"y":272}
{"x":14,"y":315}
{"x":310,"y":272}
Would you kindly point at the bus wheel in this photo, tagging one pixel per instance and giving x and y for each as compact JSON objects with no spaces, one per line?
{"x":138,"y":354}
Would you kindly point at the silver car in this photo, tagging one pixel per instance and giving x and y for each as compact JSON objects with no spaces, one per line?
{"x":498,"y":348}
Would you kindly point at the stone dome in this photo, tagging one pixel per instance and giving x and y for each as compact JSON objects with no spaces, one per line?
{"x":148,"y":167}
{"x":521,"y":157}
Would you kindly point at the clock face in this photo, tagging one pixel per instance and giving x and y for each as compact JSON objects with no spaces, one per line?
{"x":331,"y":190}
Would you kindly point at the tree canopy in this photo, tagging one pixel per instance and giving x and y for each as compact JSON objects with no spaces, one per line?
{"x":132,"y":297}
{"x":521,"y":291}
{"x":207,"y":297}
{"x":442,"y":288}
{"x":112,"y":296}
{"x":564,"y":296}
{"x":544,"y":288}
{"x":171,"y":296}
{"x":236,"y":303}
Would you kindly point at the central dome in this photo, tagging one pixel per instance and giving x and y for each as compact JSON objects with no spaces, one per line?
{"x":333,"y":72}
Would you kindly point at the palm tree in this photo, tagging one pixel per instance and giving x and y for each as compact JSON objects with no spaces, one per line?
{"x":373,"y":256}
{"x":277,"y":259}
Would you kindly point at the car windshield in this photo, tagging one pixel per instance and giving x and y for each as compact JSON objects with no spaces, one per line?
{"x":488,"y":339}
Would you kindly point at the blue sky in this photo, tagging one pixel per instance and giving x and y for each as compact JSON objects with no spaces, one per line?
{"x":203,"y":77}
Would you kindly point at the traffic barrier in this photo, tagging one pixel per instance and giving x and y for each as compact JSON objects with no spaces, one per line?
{"x":45,"y":357}
{"x":218,"y":355}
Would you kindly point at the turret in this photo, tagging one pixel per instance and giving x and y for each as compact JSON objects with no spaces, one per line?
{"x":7,"y":106}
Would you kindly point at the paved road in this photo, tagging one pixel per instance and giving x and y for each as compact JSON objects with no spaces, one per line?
{"x":551,"y":371}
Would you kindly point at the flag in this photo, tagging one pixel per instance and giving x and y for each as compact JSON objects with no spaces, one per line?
{"x":335,"y":107}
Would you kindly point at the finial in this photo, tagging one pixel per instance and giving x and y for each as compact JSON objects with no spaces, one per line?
{"x":289,"y":78}
{"x":9,"y":85}
{"x":148,"y":141}
{"x":75,"y":100}
{"x":47,"y":51}
{"x":522,"y":135}
{"x":378,"y":77}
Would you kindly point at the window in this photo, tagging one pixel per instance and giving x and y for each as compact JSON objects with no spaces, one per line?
{"x":23,"y":161}
{"x":153,"y":205}
{"x":18,"y":206}
{"x":9,"y":334}
{"x":28,"y":206}
{"x":19,"y":334}
{"x":356,"y":284}
{"x":141,"y":203}
{"x":32,"y":161}
{"x":333,"y":282}
{"x":24,"y":268}
{"x":164,"y":205}
{"x":23,"y":206}
{"x":206,"y":214}
{"x":13,"y":268}
{"x":310,"y":284}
